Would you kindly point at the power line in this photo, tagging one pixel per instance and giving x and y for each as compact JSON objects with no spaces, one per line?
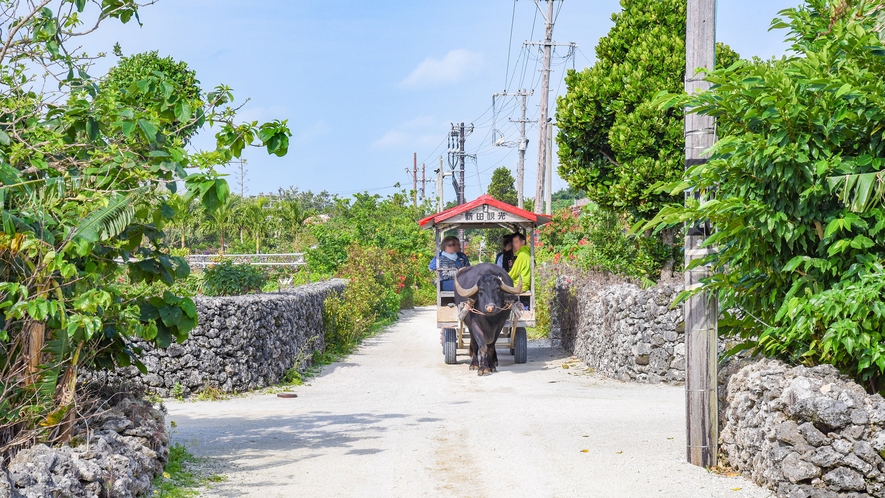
{"x":510,"y":43}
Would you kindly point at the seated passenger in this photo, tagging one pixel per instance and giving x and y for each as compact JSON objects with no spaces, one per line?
{"x":522,"y":265}
{"x":504,"y":259}
{"x":448,"y":261}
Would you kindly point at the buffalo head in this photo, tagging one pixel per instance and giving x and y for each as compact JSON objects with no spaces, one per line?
{"x":489,"y":292}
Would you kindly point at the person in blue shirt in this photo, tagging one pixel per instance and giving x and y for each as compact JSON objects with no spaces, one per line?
{"x":449,"y":260}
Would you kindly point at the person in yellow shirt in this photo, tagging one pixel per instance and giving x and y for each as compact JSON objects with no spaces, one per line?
{"x":522,"y":264}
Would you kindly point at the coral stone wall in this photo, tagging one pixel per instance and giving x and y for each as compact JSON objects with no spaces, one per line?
{"x":804,"y":432}
{"x":240,"y":343}
{"x":116,"y":454}
{"x":621,"y":330}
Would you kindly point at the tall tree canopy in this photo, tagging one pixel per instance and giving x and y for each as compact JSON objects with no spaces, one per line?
{"x":501,"y":186}
{"x":123,"y":79}
{"x":614,"y":143}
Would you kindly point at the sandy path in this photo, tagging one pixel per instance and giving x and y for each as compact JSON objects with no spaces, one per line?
{"x":394,"y":420}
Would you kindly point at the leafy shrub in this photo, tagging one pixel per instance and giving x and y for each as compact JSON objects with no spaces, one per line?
{"x":378,"y":280}
{"x":229,"y":279}
{"x":597,"y":239}
{"x":797,"y":270}
{"x":370,"y":221}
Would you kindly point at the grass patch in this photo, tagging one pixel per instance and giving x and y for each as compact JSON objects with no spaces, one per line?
{"x":212,"y":394}
{"x":181,"y":478}
{"x":535,"y":333}
{"x":334,"y":352}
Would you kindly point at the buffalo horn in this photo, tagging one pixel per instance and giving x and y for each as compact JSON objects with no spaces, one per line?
{"x":512,"y":290}
{"x":465,"y":292}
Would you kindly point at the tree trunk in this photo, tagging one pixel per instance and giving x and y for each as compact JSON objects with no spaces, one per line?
{"x":182,"y":239}
{"x":221,"y":235}
{"x":65,"y":397}
{"x":36,"y":333}
{"x":257,"y":241}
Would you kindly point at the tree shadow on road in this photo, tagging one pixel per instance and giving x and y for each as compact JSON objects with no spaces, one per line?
{"x":246,"y":443}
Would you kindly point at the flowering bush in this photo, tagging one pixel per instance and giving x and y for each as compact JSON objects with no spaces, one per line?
{"x":596,"y":239}
{"x":381,"y":283}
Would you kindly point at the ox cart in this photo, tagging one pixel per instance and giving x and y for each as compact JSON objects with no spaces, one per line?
{"x":485,"y":213}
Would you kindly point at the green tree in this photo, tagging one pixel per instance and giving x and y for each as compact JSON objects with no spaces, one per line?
{"x":124,"y":79}
{"x":221,"y":221}
{"x":186,"y":218}
{"x":501,"y":187}
{"x":798,"y":271}
{"x":84,"y":183}
{"x":614,"y":143}
{"x":254,"y":217}
{"x":565,"y":198}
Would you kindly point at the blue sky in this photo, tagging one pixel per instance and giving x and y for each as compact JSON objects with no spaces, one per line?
{"x":365,"y":84}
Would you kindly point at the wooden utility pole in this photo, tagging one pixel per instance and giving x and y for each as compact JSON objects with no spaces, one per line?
{"x":548,"y":181}
{"x":702,"y":310}
{"x":545,"y":95}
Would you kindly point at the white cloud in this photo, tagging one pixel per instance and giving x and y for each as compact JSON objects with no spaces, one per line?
{"x":419,"y":132}
{"x":454,"y":67}
{"x":391,"y":139}
{"x":312,"y":133}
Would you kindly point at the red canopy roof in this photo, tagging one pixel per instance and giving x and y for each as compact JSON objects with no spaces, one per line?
{"x":528,"y":216}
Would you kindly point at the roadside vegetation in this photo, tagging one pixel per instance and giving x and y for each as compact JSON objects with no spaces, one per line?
{"x":793,"y":189}
{"x":183,"y":476}
{"x":797,"y":174}
{"x":88,"y":167}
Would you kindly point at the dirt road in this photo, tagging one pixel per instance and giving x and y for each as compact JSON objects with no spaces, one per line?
{"x":394,"y":420}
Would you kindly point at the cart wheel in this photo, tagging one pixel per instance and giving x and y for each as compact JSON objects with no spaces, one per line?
{"x":520,"y":346}
{"x":450,"y":345}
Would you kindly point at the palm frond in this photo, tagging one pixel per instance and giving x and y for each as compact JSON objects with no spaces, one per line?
{"x":108,"y":221}
{"x":860,"y":192}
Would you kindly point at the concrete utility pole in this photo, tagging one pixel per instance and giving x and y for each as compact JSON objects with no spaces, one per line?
{"x":423,"y":179}
{"x":461,"y":166}
{"x":521,"y":145}
{"x":548,"y":181}
{"x":702,"y":310}
{"x":545,"y":95}
{"x":458,"y":157}
{"x":440,"y":190}
{"x":415,"y":177}
{"x":547,"y":45}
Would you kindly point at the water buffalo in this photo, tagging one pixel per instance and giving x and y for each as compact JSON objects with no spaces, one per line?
{"x":484,"y":293}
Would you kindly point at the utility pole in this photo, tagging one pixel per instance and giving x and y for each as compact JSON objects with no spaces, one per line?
{"x":521,"y":145}
{"x":548,"y":181}
{"x":701,"y":310}
{"x":423,"y":180}
{"x":415,"y":178}
{"x":547,"y":46}
{"x":440,"y":190}
{"x":461,"y":179}
{"x":458,"y":157}
{"x":545,"y":95}
{"x":241,"y":177}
